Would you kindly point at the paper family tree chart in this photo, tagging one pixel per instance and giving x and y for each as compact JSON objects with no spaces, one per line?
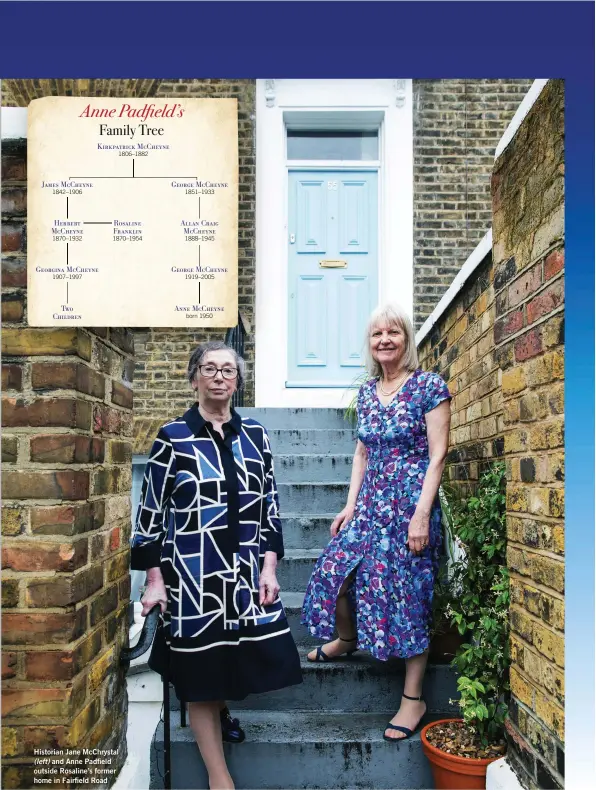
{"x":132,"y":212}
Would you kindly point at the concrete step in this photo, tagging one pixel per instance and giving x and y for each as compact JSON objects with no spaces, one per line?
{"x":312,"y":440}
{"x":312,"y":498}
{"x":302,"y":467}
{"x":303,"y":749}
{"x":274,"y":419}
{"x":294,"y":571}
{"x":361,"y":683}
{"x":292,"y":602}
{"x":306,"y":532}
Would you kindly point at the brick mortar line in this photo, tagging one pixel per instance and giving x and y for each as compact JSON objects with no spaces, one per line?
{"x":532,"y":453}
{"x":13,"y":684}
{"x":545,"y":451}
{"x":62,"y":610}
{"x":540,"y":552}
{"x":61,"y":539}
{"x":58,"y":430}
{"x":63,"y":646}
{"x":559,"y":484}
{"x":553,"y":521}
{"x":63,"y":466}
{"x":537,"y":323}
{"x":529,"y":582}
{"x":544,"y":384}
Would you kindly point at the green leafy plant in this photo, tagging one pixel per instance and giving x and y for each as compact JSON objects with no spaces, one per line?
{"x":480,"y":609}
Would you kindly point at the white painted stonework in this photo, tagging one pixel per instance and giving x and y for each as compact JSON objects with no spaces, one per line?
{"x":500,"y":776}
{"x":326,"y":104}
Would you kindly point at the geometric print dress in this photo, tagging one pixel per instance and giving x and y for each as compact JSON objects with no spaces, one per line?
{"x":208,"y":513}
{"x":391,"y":589}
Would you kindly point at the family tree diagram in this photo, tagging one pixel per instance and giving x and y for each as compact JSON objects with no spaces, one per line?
{"x":132,"y":212}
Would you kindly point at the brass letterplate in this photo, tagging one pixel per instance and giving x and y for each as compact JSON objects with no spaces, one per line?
{"x":333,"y":264}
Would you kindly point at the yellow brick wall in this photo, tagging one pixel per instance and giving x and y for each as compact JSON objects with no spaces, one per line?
{"x":461,"y":348}
{"x":528,"y":259}
{"x":500,"y":347}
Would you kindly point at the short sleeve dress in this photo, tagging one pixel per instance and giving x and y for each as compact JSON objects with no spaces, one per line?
{"x":392,"y":589}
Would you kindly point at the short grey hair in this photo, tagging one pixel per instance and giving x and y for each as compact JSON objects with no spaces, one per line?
{"x":198,"y":354}
{"x":391,"y":314}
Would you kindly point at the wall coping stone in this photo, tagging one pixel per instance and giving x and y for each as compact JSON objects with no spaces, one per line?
{"x":521,"y":112}
{"x":476,"y":257}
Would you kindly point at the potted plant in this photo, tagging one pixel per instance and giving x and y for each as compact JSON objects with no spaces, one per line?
{"x":459,"y":750}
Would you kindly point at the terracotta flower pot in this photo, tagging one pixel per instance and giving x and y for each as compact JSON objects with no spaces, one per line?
{"x":451,"y":772}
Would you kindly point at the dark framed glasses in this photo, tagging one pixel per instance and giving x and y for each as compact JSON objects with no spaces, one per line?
{"x":210,"y":371}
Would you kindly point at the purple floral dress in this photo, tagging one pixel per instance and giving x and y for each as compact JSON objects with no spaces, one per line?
{"x":392,"y":589}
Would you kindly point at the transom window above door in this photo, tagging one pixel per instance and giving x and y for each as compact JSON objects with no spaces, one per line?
{"x":335,"y":145}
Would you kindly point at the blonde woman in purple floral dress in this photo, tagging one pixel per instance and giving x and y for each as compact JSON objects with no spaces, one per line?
{"x":375,"y":579}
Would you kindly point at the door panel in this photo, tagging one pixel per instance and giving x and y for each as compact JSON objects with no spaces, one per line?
{"x":311,"y":340}
{"x":332,"y":273}
{"x":354,"y":216}
{"x":354,"y":299}
{"x":311,"y":225}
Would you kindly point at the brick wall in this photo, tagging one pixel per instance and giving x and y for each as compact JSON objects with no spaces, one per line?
{"x":528,"y":237}
{"x":460,"y":347}
{"x":66,"y":451}
{"x":500,"y":346}
{"x":457,"y":125}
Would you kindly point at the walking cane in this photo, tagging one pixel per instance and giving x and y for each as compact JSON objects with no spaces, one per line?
{"x":127,"y":655}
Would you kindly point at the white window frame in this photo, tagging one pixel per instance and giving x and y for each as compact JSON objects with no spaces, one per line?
{"x":386,"y":104}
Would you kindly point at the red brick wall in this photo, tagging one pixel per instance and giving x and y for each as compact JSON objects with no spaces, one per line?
{"x":66,"y":452}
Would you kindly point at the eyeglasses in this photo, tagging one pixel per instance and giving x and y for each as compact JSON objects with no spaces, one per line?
{"x":211,"y":371}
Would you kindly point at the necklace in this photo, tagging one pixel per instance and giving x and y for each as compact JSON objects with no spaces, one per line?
{"x":393,"y":391}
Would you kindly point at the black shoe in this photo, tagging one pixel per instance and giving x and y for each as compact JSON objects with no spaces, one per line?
{"x":231,"y":731}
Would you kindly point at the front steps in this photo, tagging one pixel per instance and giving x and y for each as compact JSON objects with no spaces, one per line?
{"x":327,"y":731}
{"x":303,"y":749}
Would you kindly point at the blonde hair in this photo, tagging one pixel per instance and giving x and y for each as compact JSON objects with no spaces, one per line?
{"x":391,"y":314}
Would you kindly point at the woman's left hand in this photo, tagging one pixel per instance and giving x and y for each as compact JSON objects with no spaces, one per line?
{"x":268,"y":587}
{"x":418,"y":533}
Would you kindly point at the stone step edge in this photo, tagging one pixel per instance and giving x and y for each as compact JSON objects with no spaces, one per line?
{"x":296,"y":726}
{"x":362,"y":661}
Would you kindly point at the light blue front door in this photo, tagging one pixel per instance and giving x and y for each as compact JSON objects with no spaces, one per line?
{"x":332,"y":276}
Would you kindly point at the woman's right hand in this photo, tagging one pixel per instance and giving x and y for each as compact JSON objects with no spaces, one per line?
{"x":155,"y":592}
{"x":340,"y":521}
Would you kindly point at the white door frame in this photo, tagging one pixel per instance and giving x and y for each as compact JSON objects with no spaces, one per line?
{"x":384,"y":104}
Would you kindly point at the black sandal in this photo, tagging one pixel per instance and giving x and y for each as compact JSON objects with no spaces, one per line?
{"x":231,"y":731}
{"x":321,"y":657}
{"x":406,"y":730}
